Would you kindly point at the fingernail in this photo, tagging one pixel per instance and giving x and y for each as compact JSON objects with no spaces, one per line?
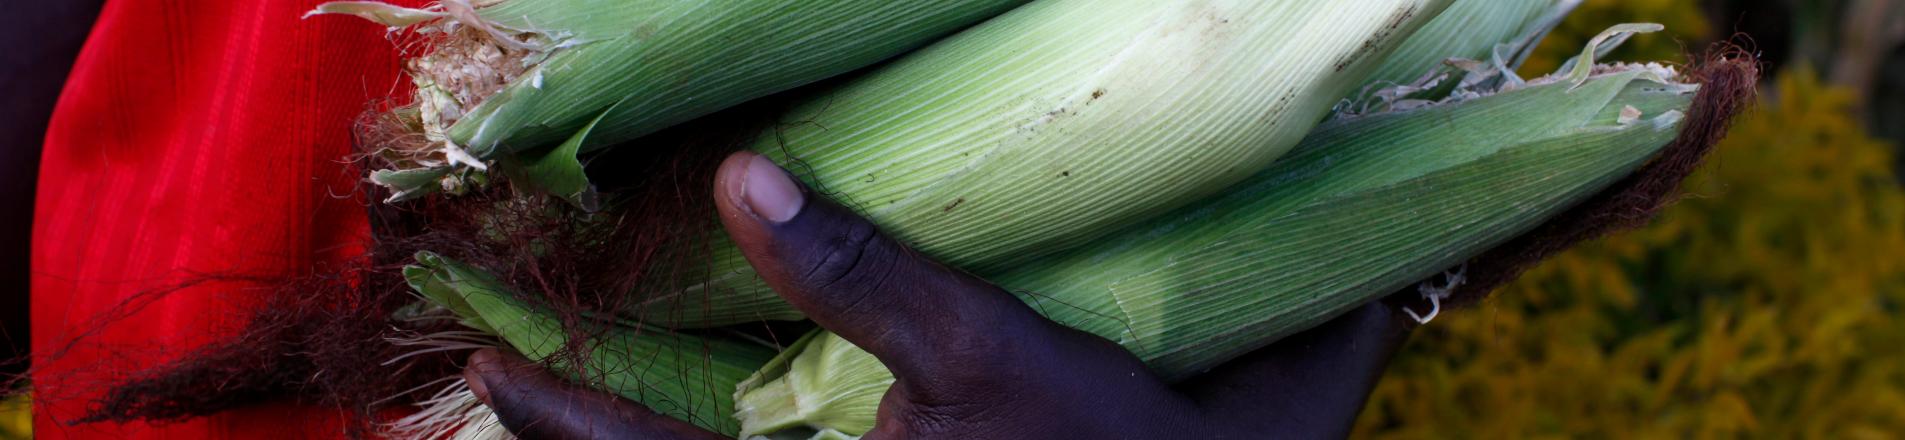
{"x":770,"y":193}
{"x":480,"y":360}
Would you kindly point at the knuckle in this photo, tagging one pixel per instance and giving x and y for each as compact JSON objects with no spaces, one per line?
{"x":842,"y":257}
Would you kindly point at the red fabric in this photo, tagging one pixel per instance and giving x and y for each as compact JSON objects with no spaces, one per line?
{"x":194,"y":136}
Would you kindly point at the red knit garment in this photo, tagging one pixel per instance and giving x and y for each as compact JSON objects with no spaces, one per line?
{"x":194,"y":137}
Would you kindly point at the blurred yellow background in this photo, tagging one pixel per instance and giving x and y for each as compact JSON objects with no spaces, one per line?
{"x":16,"y":417}
{"x":1770,"y":303}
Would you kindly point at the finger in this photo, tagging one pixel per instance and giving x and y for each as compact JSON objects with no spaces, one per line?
{"x":919,"y":317}
{"x":1311,"y":384}
{"x":534,"y":404}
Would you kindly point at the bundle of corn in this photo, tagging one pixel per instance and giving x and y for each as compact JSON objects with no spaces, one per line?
{"x":684,"y":376}
{"x":1365,"y":206}
{"x":1029,"y":134}
{"x":504,"y":79}
{"x":1231,"y":103}
{"x":967,"y":150}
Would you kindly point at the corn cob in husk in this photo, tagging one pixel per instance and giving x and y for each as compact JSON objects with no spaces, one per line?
{"x":1030,"y":133}
{"x":508,"y":79}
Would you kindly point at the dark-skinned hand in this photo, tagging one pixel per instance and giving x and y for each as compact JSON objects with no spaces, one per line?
{"x":971,"y":360}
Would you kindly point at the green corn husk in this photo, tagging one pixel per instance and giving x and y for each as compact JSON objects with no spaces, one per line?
{"x":608,"y":71}
{"x":1059,"y":122}
{"x":1364,"y":207}
{"x":687,"y":377}
{"x":1476,"y":30}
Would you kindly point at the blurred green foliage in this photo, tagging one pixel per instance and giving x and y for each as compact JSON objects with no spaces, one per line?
{"x":1769,"y":303}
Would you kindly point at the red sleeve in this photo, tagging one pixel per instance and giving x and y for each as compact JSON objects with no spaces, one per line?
{"x":193,"y":137}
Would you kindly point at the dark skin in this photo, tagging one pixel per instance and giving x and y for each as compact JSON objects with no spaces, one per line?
{"x":971,"y":360}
